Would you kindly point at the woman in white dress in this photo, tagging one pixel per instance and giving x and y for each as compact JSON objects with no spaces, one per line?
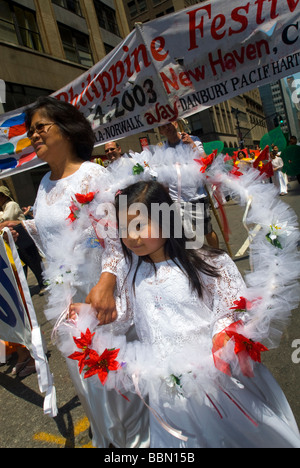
{"x":183,"y":301}
{"x":279,"y":178}
{"x":80,"y":266}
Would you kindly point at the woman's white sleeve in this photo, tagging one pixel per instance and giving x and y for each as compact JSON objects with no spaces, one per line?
{"x":229,"y":287}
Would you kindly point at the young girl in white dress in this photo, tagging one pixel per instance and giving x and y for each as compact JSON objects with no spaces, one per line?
{"x":185,"y":306}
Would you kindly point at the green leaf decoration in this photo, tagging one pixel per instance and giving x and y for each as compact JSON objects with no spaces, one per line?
{"x":210,"y":147}
{"x":137,"y":169}
{"x":274,"y":242}
{"x":274,"y":137}
{"x":291,"y":160}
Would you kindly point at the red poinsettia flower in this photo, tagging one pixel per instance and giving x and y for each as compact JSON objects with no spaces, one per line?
{"x":206,"y":162}
{"x":101,"y":365}
{"x":84,"y":342}
{"x":253,"y":349}
{"x":73,"y":215}
{"x":84,"y":199}
{"x":241,"y":304}
{"x":236,"y":172}
{"x":81,"y":358}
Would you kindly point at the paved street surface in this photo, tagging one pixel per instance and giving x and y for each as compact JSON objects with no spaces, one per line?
{"x":23,"y":424}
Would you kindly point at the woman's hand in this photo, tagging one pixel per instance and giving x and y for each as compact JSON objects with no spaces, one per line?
{"x":10,"y":225}
{"x":101,"y":298}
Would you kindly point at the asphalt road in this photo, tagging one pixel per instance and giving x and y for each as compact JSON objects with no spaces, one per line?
{"x":23,"y":424}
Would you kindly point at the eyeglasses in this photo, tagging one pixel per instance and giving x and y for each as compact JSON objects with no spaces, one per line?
{"x":39,"y":128}
{"x":108,"y":150}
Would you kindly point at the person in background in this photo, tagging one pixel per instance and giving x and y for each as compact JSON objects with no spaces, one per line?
{"x":174,"y":137}
{"x":294,"y":142}
{"x":113,"y":151}
{"x":278,"y":178}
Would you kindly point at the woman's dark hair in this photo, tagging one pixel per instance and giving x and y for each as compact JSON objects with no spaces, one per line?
{"x":190,"y":261}
{"x":71,"y":122}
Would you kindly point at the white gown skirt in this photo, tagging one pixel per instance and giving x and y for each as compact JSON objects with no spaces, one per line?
{"x":243,"y":413}
{"x":113,"y":420}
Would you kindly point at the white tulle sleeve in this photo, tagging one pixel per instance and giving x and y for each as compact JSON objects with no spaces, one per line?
{"x":30,"y":226}
{"x":223,"y":291}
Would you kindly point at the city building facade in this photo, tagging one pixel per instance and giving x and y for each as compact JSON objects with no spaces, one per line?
{"x":46,"y":44}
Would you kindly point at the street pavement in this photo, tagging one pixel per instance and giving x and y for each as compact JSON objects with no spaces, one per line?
{"x":23,"y":424}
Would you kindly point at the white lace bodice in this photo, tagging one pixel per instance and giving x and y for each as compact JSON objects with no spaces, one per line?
{"x":168,"y":315}
{"x":72,"y":250}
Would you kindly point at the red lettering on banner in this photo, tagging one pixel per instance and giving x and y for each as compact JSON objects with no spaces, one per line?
{"x":238,"y":18}
{"x":292,"y":5}
{"x":173,"y":81}
{"x":200,"y":26}
{"x":135,"y":54}
{"x":108,"y":81}
{"x":274,"y":13}
{"x":157,"y":51}
{"x":105,"y":81}
{"x":202,"y":20}
{"x":260,"y":5}
{"x":218,"y":23}
{"x":231,"y":60}
{"x":162,"y":113}
{"x":198,"y":74}
{"x":183,"y":78}
{"x":118,"y":73}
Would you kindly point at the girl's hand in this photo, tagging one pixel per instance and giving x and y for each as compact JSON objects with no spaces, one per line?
{"x":74,"y":311}
{"x":101,"y":298}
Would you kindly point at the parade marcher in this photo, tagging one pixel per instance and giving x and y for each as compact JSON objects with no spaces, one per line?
{"x":243,"y":162}
{"x":294,"y":142}
{"x":175,"y":138}
{"x":177,"y":296}
{"x":80,"y":266}
{"x":278,"y":178}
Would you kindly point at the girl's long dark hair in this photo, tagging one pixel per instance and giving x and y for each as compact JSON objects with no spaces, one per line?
{"x":190,"y":261}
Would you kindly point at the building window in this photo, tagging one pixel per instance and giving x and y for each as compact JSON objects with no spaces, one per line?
{"x":137,"y":7}
{"x":71,"y":5}
{"x":76,"y":46}
{"x":20,"y":96}
{"x":18,"y":25}
{"x":106,"y":17}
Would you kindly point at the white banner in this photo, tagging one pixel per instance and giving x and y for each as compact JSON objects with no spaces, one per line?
{"x":14,"y":323}
{"x":18,"y":327}
{"x":173,"y":67}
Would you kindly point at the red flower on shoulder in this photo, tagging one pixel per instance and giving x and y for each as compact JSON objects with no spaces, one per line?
{"x":84,"y":199}
{"x":206,"y":162}
{"x":241,"y":304}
